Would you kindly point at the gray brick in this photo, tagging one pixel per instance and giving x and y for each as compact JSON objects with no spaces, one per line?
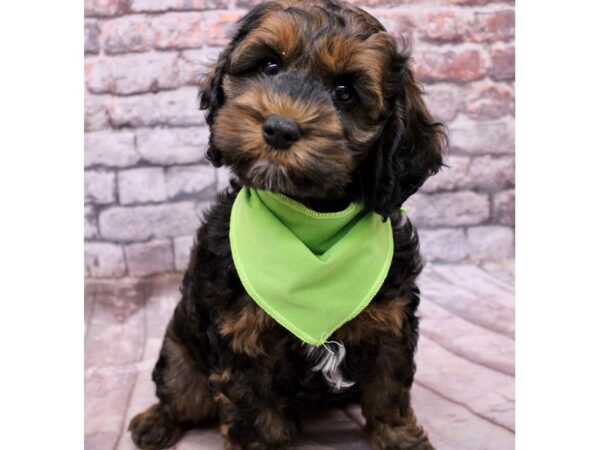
{"x":444,"y":244}
{"x":140,"y":223}
{"x":91,"y":35}
{"x":491,"y":137}
{"x":95,"y":113}
{"x":173,"y":108}
{"x":449,"y":209}
{"x":197,"y":179}
{"x":90,"y":225}
{"x":99,"y":187}
{"x":503,"y":207}
{"x":142,"y":185}
{"x":149,"y":258}
{"x":182,"y":246}
{"x":173,"y":145}
{"x":135,"y":73}
{"x":490,"y":242}
{"x":104,"y":260}
{"x":115,"y":149}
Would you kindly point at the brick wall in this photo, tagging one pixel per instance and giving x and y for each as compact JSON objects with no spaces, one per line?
{"x":146,"y":179}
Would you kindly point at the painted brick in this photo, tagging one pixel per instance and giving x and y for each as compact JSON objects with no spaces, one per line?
{"x":491,"y":173}
{"x":503,"y":207}
{"x":127,"y":34}
{"x":217,"y":25}
{"x":492,"y":26}
{"x":90,"y":224}
{"x":140,"y":223}
{"x":502,"y":66}
{"x":444,"y":244}
{"x":197,"y":179}
{"x":481,"y":137}
{"x":451,"y":177}
{"x":490,"y":242}
{"x":182,"y":248}
{"x":95,"y":113}
{"x":490,"y":101}
{"x":105,"y":7}
{"x":178,"y":30}
{"x":443,"y":101}
{"x":173,"y":108}
{"x":173,"y":145}
{"x":99,"y":187}
{"x":443,"y":26}
{"x":91,"y":36}
{"x":223,"y":177}
{"x":400,"y":24}
{"x":142,"y":185}
{"x":114,"y":149}
{"x":456,"y":66}
{"x":104,"y":260}
{"x":148,"y":258}
{"x":175,"y":5}
{"x":449,"y":209}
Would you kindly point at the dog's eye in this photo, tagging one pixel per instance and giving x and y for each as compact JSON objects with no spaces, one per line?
{"x":270,"y":66}
{"x":343,"y":94}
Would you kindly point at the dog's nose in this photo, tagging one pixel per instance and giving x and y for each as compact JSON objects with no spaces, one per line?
{"x":280,"y":132}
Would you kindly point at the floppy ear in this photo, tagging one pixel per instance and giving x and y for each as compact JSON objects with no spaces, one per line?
{"x":409,"y":149}
{"x":211,"y":96}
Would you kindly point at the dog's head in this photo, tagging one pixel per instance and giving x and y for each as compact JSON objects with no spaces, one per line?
{"x":313,"y":99}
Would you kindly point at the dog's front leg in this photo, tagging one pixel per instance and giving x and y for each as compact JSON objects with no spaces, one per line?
{"x":385,"y":400}
{"x":252,"y":415}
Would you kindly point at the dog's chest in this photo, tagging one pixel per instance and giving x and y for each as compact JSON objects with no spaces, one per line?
{"x":327,"y":360}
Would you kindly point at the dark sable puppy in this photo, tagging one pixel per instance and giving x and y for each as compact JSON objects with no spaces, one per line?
{"x":311,"y":99}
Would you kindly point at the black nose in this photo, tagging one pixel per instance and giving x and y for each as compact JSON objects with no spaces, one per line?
{"x":280,"y":132}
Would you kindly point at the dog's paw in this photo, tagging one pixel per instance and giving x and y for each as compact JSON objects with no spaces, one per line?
{"x":154,"y":429}
{"x":408,"y":437}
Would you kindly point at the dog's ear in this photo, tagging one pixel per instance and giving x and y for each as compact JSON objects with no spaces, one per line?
{"x":211,"y":96}
{"x":410,"y":147}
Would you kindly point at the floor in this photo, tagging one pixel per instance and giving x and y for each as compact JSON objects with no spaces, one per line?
{"x":464,"y":389}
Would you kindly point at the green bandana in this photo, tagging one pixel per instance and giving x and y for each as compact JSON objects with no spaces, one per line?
{"x":311,"y":272}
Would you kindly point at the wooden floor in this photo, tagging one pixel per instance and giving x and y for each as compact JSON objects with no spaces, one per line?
{"x":464,"y":389}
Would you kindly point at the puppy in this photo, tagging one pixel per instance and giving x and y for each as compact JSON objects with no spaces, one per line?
{"x":312,"y":100}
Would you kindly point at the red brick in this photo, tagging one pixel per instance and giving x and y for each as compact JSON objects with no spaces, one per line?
{"x":217,"y":24}
{"x":105,"y":7}
{"x":442,"y":26}
{"x":492,"y":26}
{"x":126,"y":34}
{"x":490,"y":101}
{"x":178,"y":30}
{"x":502,"y":65}
{"x":457,"y":66}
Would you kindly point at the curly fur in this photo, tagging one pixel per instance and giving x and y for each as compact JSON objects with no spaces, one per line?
{"x":223,"y":358}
